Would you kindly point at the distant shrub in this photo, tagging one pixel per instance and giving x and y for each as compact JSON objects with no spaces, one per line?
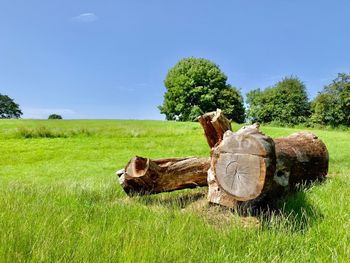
{"x":55,"y":117}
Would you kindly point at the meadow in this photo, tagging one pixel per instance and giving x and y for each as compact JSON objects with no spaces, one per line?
{"x":60,"y":200}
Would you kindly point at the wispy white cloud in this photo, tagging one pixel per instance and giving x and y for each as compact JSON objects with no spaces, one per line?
{"x":133,"y":87}
{"x":143,"y":85}
{"x":125,"y":88}
{"x":86,"y":17}
{"x":43,"y":113}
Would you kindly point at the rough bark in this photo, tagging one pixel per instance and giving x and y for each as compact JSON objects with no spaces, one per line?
{"x":248,"y":167}
{"x":214,"y":124}
{"x":302,"y":158}
{"x":144,"y":176}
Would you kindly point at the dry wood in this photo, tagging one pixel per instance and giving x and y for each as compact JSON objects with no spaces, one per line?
{"x":240,"y":166}
{"x":246,"y":167}
{"x":214,"y":124}
{"x":249,"y":167}
{"x":301,"y":158}
{"x":145,"y":176}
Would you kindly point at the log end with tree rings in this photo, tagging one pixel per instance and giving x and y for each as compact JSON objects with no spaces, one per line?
{"x":242,"y":163}
{"x":216,"y":195}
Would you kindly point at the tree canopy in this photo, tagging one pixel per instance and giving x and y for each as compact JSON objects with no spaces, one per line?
{"x":195,"y":86}
{"x":332,"y":105}
{"x":8,"y":108}
{"x":285,"y":103}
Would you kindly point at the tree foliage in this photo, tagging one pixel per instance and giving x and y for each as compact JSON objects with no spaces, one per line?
{"x":332,"y":105}
{"x":8,"y":108}
{"x":284,"y":103}
{"x":195,"y":86}
{"x":55,"y":117}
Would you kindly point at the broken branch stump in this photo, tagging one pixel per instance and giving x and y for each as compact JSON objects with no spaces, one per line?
{"x":145,"y":176}
{"x":214,"y":124}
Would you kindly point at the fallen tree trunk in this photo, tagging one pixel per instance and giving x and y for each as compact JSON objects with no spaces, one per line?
{"x":144,"y":176}
{"x":248,"y":167}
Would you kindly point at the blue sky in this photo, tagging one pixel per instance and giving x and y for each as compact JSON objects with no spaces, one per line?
{"x":108,"y":59}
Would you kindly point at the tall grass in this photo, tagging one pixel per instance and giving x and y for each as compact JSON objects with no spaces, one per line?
{"x":44,"y":132}
{"x":60,"y":200}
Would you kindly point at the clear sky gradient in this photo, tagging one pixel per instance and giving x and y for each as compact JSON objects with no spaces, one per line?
{"x":108,"y":59}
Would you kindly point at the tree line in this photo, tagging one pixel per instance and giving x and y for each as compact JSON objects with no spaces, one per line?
{"x":9,"y":109}
{"x":197,"y":85}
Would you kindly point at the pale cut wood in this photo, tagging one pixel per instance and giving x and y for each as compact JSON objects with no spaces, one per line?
{"x":241,"y":163}
{"x":237,"y":175}
{"x":247,"y":168}
{"x":214,"y":124}
{"x":144,"y":176}
{"x":218,"y":196}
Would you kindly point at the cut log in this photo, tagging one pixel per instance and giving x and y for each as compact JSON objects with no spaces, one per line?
{"x":214,"y":124}
{"x":250,"y":167}
{"x":246,"y":168}
{"x":144,"y":176}
{"x":242,"y":166}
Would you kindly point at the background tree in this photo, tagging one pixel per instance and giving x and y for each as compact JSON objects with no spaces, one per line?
{"x":195,"y":86}
{"x":285,"y":103}
{"x":55,"y":117}
{"x":332,"y":105}
{"x":8,"y":108}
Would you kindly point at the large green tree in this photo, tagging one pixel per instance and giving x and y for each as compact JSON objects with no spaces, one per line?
{"x":286,"y":102}
{"x":8,"y":108}
{"x":195,"y":86}
{"x":332,"y":105}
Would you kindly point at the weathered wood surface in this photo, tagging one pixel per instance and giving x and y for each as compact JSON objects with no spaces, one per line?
{"x":248,"y":166}
{"x":245,"y":168}
{"x":242,"y":166}
{"x":214,"y":124}
{"x":144,"y":176}
{"x":301,"y":158}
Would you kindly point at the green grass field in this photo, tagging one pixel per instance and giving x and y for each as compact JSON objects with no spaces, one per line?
{"x":61,"y":201}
